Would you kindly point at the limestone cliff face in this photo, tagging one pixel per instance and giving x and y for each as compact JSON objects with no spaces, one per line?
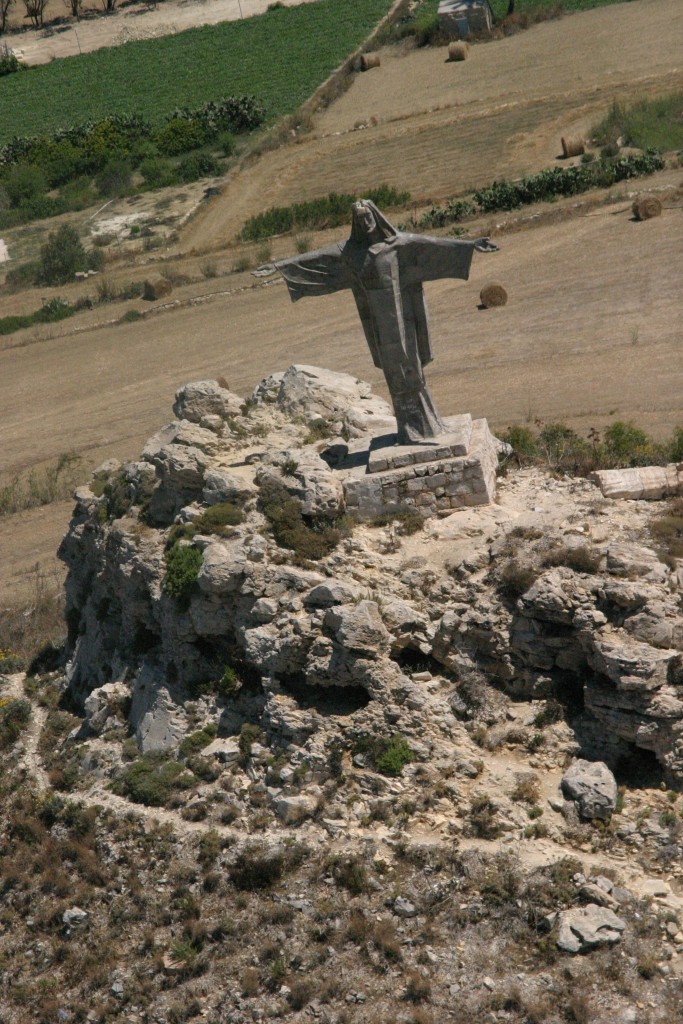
{"x":553,"y":591}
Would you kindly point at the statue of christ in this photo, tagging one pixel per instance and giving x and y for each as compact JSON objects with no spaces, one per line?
{"x":385,"y":270}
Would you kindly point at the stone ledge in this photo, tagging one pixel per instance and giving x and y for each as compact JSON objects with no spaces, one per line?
{"x":455,"y":442}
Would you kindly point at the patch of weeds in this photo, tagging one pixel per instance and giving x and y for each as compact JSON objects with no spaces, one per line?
{"x":14,"y":717}
{"x":483,"y":818}
{"x":515,"y":577}
{"x":310,"y":543}
{"x":350,"y":873}
{"x":250,"y":733}
{"x":408,"y":521}
{"x":581,"y":559}
{"x":526,"y":789}
{"x":552,"y":712}
{"x":196,"y":741}
{"x":257,"y":867}
{"x":153,"y":780}
{"x":389,"y":754}
{"x":667,"y":531}
{"x":318,"y":430}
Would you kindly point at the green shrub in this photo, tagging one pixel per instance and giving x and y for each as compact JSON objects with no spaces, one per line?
{"x":183,"y":563}
{"x":179,"y":135}
{"x":114,"y":178}
{"x":196,"y":741}
{"x":14,"y":717}
{"x":9,"y":62}
{"x":61,"y":256}
{"x":198,"y":165}
{"x":249,"y":733}
{"x":227,"y":143}
{"x":219,"y":519}
{"x":290,"y":530}
{"x":24,"y":183}
{"x":152,"y":780}
{"x":389,"y":754}
{"x":158,"y":173}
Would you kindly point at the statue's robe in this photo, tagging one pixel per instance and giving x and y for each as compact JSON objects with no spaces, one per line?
{"x":386,"y":281}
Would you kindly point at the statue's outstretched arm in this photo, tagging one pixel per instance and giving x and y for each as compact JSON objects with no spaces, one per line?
{"x":265,"y":270}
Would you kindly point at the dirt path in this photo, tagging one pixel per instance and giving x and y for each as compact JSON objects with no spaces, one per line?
{"x":441,"y":128}
{"x":69,"y":37}
{"x":30,"y":761}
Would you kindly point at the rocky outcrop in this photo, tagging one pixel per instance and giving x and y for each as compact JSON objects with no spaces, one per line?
{"x":166,"y":598}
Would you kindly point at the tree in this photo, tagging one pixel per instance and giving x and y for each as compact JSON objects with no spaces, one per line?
{"x":108,"y":6}
{"x":61,"y":256}
{"x":74,"y":6}
{"x":35,"y":10}
{"x":5,"y":6}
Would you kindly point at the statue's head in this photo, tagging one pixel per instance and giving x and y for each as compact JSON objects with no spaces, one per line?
{"x":369,"y":225}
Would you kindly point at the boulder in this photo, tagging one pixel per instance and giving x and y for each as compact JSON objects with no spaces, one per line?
{"x":346,"y":403}
{"x":225,"y":750}
{"x":581,"y":929}
{"x":593,"y":787}
{"x":327,"y":594}
{"x":220,"y":485}
{"x":106,"y":707}
{"x":293,"y":809}
{"x":204,"y":398}
{"x":358,"y":628}
{"x":75,"y":918}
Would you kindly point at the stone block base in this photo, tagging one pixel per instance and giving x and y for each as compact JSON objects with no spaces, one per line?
{"x":430,"y":486}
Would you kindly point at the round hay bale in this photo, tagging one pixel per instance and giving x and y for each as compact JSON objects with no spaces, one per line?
{"x":369,"y":60}
{"x":572,"y":147}
{"x":493,"y":295}
{"x":458,"y":51}
{"x":156,"y":289}
{"x":646,"y":207}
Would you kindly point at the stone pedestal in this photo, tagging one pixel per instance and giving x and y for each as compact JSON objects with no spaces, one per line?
{"x":455,"y":470}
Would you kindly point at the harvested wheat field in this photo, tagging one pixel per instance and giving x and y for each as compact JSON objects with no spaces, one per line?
{"x":443,"y":128}
{"x":591,"y":332}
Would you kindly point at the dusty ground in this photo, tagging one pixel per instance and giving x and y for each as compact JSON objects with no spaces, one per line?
{"x":65,"y":36}
{"x":443,"y":128}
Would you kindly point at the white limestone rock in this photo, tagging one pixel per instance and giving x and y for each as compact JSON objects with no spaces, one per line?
{"x":593,"y":786}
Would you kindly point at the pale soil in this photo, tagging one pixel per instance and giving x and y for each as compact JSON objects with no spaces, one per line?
{"x":63,"y":36}
{"x":443,"y":128}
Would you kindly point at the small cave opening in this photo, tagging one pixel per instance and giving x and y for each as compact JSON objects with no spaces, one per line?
{"x":221,"y":655}
{"x":637,"y":768}
{"x":341,"y":701}
{"x":412,"y":659}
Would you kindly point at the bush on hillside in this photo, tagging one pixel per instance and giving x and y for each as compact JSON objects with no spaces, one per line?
{"x":61,"y":256}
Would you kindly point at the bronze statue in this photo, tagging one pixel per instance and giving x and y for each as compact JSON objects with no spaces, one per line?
{"x":385,"y":269}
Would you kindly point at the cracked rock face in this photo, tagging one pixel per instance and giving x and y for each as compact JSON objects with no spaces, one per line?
{"x":340,"y":643}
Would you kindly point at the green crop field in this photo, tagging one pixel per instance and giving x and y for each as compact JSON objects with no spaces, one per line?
{"x":280,"y":56}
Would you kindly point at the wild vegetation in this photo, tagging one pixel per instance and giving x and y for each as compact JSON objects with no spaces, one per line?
{"x":280,"y":56}
{"x":656,"y":124}
{"x":622,"y":444}
{"x":552,"y":183}
{"x":317,"y":214}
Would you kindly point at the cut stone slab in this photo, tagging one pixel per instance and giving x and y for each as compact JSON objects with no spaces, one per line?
{"x":642,"y":482}
{"x":594,"y":788}
{"x":454,"y":443}
{"x":581,"y":929}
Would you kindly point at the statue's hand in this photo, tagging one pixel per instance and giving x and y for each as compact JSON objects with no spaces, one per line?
{"x":485,"y":245}
{"x":265,"y":270}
